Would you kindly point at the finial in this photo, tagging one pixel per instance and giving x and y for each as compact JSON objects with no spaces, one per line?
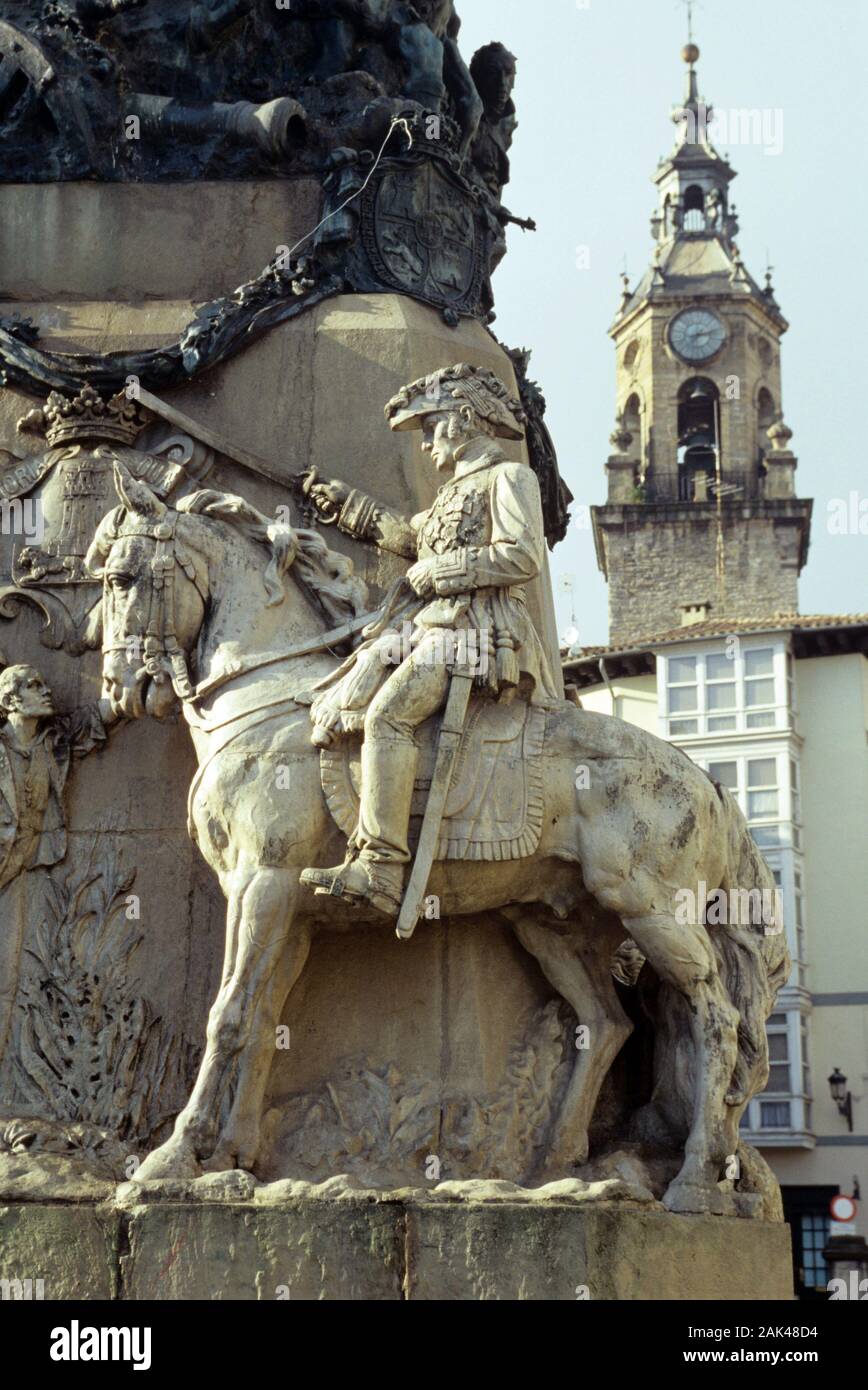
{"x":620,"y":437}
{"x":769,"y":272}
{"x":691,"y":103}
{"x":780,"y":434}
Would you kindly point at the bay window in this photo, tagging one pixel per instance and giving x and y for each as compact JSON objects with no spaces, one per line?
{"x":726,"y":691}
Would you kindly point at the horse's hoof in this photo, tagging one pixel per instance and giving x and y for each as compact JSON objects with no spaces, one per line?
{"x":174,"y":1159}
{"x":695,"y":1199}
{"x":227,"y":1158}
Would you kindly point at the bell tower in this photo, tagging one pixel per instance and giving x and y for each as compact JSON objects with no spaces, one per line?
{"x":702,"y":519}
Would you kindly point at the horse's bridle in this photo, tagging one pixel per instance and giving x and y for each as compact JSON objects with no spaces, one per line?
{"x":163,"y":657}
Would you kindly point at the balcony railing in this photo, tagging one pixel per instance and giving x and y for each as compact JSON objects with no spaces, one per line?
{"x":696,"y":486}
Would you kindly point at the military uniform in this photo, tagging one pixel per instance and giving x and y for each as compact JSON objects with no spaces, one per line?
{"x":484,"y":539}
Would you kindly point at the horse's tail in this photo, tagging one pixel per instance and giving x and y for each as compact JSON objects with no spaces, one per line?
{"x":752,"y":952}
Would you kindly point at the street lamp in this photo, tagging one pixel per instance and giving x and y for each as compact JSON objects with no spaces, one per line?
{"x":841,"y":1096}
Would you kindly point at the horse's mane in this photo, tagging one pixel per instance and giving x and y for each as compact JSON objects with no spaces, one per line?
{"x":327,"y":574}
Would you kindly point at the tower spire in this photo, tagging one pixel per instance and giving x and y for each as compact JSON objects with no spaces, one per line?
{"x":693,"y":181}
{"x":693,"y":114}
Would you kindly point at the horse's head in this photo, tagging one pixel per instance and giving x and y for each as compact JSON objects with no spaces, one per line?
{"x":154,"y":594}
{"x":164,"y":568}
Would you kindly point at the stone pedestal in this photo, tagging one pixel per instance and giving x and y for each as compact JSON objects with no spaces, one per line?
{"x":405,"y":1248}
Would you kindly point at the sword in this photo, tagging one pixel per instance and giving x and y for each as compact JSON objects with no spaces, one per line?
{"x":448,"y":743}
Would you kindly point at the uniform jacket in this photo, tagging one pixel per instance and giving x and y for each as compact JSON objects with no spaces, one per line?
{"x":484,"y":533}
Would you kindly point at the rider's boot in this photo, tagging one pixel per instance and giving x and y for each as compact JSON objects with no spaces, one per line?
{"x":376,"y":874}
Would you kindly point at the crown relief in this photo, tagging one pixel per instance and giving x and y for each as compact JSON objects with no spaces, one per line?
{"x":67,"y":420}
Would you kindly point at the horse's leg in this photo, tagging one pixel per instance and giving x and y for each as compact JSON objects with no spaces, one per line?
{"x":239,"y":1140}
{"x":266,"y":945}
{"x":682,"y":956}
{"x":260,"y":913}
{"x":579,"y":971}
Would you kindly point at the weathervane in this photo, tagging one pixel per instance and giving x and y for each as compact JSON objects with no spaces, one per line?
{"x":690,"y":5}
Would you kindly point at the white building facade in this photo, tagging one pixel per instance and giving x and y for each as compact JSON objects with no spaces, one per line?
{"x":778,"y":713}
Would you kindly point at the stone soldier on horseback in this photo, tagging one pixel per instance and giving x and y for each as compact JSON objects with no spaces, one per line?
{"x":474,"y":551}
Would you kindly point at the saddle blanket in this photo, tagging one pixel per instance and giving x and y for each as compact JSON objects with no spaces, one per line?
{"x":494,"y":809}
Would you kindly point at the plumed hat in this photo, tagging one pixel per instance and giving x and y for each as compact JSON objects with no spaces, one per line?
{"x":452,"y":387}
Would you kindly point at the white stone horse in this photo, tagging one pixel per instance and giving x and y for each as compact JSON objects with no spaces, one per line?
{"x":219,"y":595}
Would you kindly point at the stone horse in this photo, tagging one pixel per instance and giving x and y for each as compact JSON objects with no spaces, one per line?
{"x":215,"y":593}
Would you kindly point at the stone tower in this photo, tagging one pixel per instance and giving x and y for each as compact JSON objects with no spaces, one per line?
{"x":701,"y":518}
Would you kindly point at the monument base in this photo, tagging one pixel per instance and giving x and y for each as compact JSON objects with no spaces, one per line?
{"x":395,"y":1249}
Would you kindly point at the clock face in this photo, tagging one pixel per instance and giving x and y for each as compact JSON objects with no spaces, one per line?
{"x":697,"y":334}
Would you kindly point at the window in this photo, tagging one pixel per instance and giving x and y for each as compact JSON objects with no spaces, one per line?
{"x":795,"y":803}
{"x":799,"y":914}
{"x":765,"y":406}
{"x":806,"y":1209}
{"x":775,"y":1114}
{"x":792,"y":900}
{"x":694,"y":209}
{"x":762,"y":781}
{"x":683,"y":693}
{"x":759,"y":688}
{"x":728,"y":691}
{"x":698,"y":414}
{"x":785,"y":1102}
{"x":791,"y":689}
{"x":814,"y":1231}
{"x":765,"y":402}
{"x":780,"y":1077}
{"x":766,"y":789}
{"x":779,"y":1063}
{"x":631,"y":418}
{"x":763,"y":802}
{"x":806,"y":1066}
{"x":720,"y":692}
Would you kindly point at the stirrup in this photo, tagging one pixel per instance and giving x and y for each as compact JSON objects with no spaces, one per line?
{"x":338,"y":883}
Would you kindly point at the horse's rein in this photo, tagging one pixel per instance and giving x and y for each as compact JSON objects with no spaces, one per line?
{"x":164,"y":658}
{"x":369,"y":624}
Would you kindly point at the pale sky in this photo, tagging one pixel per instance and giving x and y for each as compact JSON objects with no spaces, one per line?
{"x":596,"y":82}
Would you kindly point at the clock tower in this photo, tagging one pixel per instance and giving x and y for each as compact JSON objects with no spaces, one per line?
{"x":702,"y":519}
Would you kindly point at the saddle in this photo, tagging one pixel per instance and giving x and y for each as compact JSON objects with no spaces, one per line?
{"x":494,"y":810}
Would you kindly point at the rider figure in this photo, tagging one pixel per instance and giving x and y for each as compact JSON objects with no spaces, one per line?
{"x":474,"y":550}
